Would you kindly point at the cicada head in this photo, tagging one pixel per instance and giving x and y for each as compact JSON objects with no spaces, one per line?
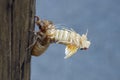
{"x":84,"y":43}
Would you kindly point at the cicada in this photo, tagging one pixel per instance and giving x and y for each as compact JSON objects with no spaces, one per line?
{"x":50,"y":34}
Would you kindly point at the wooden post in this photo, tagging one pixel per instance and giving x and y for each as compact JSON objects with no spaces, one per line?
{"x":16,"y":21}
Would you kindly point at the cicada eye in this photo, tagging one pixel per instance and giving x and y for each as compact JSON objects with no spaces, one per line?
{"x":83,"y":48}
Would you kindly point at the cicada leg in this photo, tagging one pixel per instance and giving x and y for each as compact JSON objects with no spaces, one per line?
{"x":36,"y":36}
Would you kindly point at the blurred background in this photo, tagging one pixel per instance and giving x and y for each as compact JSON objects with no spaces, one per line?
{"x":101,"y":61}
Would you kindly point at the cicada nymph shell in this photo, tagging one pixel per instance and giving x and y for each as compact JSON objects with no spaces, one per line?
{"x":40,"y":45}
{"x":41,"y":40}
{"x":71,"y":39}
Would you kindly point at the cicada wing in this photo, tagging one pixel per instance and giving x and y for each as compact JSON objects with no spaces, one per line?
{"x":70,"y":50}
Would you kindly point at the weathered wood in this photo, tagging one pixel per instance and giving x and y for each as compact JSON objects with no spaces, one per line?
{"x":16,"y":20}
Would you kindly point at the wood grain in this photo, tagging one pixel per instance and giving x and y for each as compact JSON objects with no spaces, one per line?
{"x":16,"y":20}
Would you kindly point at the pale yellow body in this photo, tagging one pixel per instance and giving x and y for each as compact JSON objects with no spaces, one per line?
{"x":70,"y":38}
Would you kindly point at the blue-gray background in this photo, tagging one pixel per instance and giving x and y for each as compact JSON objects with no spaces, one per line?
{"x":101,"y":61}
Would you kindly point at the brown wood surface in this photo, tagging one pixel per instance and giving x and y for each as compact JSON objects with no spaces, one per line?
{"x":16,"y":21}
